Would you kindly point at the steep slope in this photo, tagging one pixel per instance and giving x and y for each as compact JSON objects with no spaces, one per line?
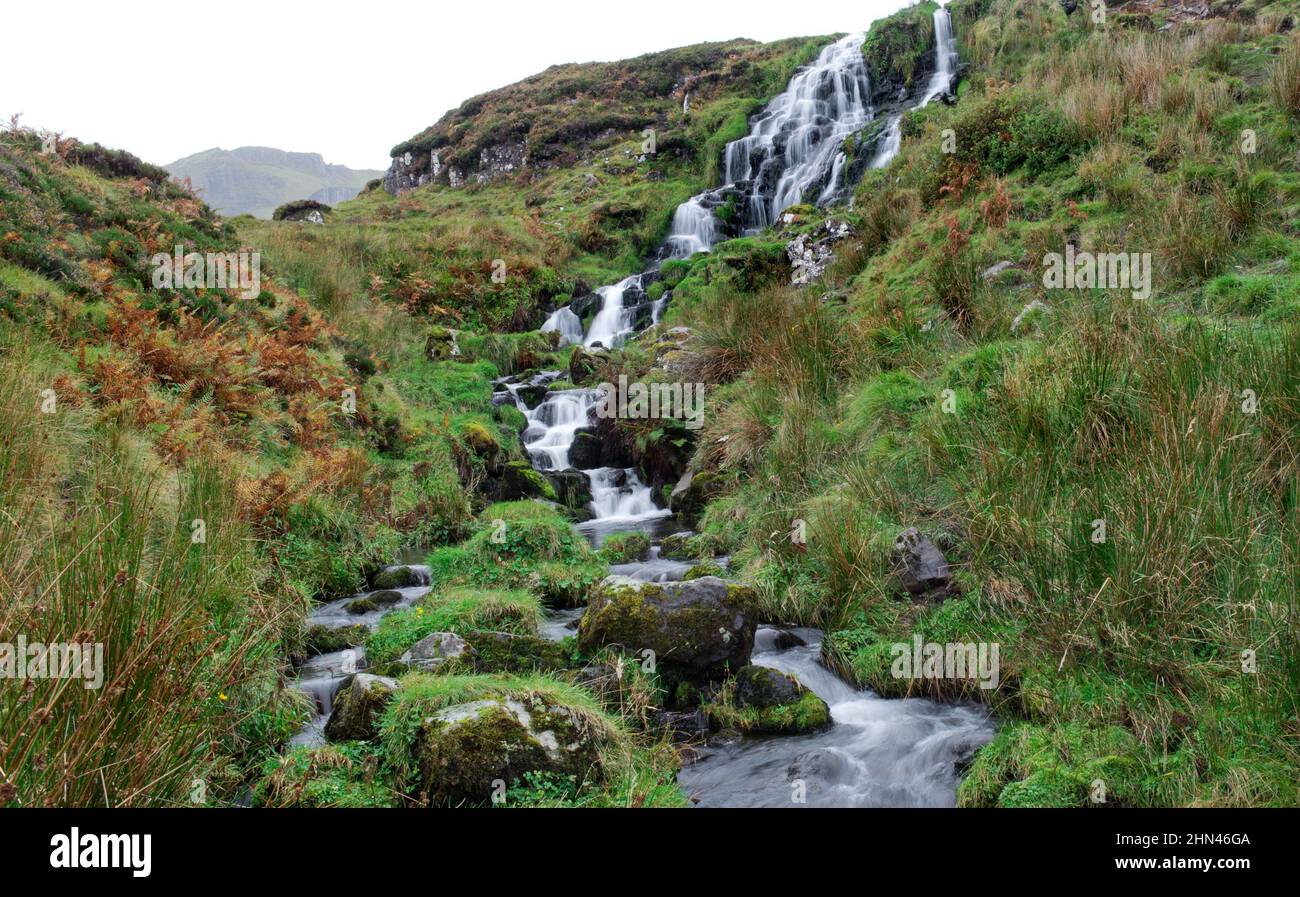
{"x":1112,"y":465}
{"x":254,"y":180}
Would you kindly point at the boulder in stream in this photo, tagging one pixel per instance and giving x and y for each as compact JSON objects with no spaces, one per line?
{"x":762,"y":700}
{"x":437,"y":649}
{"x":464,"y":749}
{"x":698,"y":630}
{"x":401,"y":577}
{"x":358,"y":706}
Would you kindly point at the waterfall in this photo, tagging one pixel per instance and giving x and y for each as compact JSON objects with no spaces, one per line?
{"x":793,"y":151}
{"x":795,"y":146}
{"x":567,"y":323}
{"x":613,"y":323}
{"x":945,"y":65}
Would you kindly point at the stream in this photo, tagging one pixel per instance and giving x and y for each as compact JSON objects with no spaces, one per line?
{"x":877,"y":752}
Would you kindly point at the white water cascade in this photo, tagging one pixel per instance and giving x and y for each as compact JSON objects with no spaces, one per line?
{"x":795,"y":144}
{"x":945,"y":65}
{"x":567,"y":323}
{"x":613,"y":323}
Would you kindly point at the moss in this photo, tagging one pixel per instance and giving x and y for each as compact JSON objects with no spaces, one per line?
{"x":460,"y":610}
{"x":808,"y":713}
{"x":624,"y":548}
{"x":320,"y":639}
{"x":707,"y":568}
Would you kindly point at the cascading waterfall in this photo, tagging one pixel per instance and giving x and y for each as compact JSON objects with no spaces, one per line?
{"x":945,"y":66}
{"x":795,"y":145}
{"x":567,"y":323}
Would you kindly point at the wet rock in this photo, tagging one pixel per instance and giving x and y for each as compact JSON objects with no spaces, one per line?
{"x":462,"y":750}
{"x":785,"y":640}
{"x":765,"y":687}
{"x":385,"y":597}
{"x":358,"y":707}
{"x":400,"y":577}
{"x":510,"y":652}
{"x":532,"y":394}
{"x":587,"y":449}
{"x":692,"y":492}
{"x":437,"y":649}
{"x":518,"y":480}
{"x":681,"y":725}
{"x":361,"y":606}
{"x":321,"y":639}
{"x":698,"y":630}
{"x":921,"y":567}
{"x":572,"y":488}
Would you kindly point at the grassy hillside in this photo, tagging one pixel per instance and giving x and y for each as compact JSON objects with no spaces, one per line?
{"x":931,"y":377}
{"x":907,"y":388}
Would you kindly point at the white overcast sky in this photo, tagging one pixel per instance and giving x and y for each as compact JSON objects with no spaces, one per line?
{"x":347,"y":80}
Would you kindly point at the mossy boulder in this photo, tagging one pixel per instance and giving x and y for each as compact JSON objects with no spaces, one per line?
{"x":702,"y":569}
{"x":584,"y":363}
{"x":479,"y":440}
{"x":519,"y":480}
{"x":440,"y":344}
{"x":762,"y":700}
{"x":699,"y":630}
{"x":572,"y":489}
{"x":587,"y":450}
{"x":463,"y":750}
{"x":358,"y":707}
{"x":320,"y":639}
{"x":438,"y":651}
{"x":511,"y":652}
{"x":625,"y":548}
{"x":400,"y":577}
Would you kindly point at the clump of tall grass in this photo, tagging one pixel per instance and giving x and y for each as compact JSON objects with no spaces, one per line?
{"x":98,"y":547}
{"x":1285,"y":82}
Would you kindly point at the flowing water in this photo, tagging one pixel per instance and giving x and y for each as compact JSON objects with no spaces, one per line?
{"x":945,"y":66}
{"x":878,"y":752}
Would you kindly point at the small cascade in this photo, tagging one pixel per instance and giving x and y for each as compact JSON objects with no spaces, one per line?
{"x":553,"y":425}
{"x":945,"y":66}
{"x":613,"y":323}
{"x":617,"y":493}
{"x":902,"y":752}
{"x":567,"y":323}
{"x":694,"y":229}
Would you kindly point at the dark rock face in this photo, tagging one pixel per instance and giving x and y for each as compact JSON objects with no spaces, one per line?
{"x":518,"y":481}
{"x":698,"y":630}
{"x":587,"y":450}
{"x":532,"y":394}
{"x":572,"y":488}
{"x":692,"y":492}
{"x":921,"y":567}
{"x":358,"y":706}
{"x":1069,"y":6}
{"x":765,"y":687}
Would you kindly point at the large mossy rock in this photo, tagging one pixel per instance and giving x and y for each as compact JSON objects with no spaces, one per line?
{"x":465,"y":749}
{"x":519,"y":481}
{"x":762,"y":700}
{"x":358,"y":707}
{"x":511,"y":652}
{"x":572,"y":489}
{"x":400,"y":577}
{"x":699,"y":630}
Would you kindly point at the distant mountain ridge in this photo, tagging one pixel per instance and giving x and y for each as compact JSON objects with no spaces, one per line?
{"x":255,"y":180}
